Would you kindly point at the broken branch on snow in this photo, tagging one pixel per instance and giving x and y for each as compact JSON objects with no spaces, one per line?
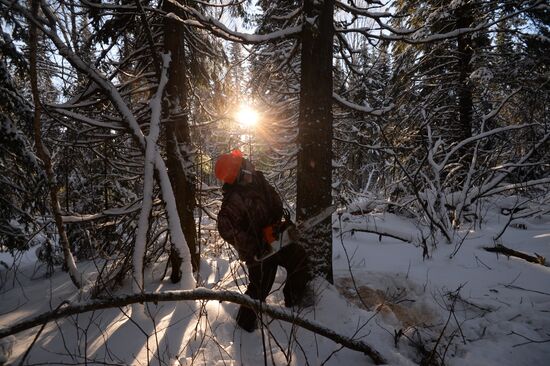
{"x":501,"y":249}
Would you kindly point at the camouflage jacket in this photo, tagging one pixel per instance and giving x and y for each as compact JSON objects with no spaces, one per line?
{"x":246,"y":210}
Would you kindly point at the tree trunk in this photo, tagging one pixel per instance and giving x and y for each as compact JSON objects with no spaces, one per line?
{"x":178,"y":140}
{"x":44,"y":154}
{"x":465,"y":102}
{"x":314,"y":177}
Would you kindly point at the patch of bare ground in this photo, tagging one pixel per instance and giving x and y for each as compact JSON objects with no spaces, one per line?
{"x":392,"y":304}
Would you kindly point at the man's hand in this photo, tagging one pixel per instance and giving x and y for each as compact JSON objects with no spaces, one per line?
{"x":289,"y":235}
{"x":292,"y":233}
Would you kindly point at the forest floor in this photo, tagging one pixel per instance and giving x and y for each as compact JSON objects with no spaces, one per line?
{"x":476,"y":308}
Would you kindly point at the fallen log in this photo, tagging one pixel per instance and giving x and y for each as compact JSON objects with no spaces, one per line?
{"x":501,"y":249}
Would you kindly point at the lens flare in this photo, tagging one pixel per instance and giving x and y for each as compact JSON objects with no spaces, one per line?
{"x":246,"y":116}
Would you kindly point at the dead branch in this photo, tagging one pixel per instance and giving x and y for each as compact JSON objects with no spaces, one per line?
{"x":378,"y":227}
{"x":380,"y":234}
{"x":529,"y":340}
{"x":196,"y":294}
{"x":526,"y":289}
{"x":499,"y":248}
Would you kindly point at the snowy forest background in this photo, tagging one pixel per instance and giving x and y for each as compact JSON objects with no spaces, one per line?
{"x":423,"y":121}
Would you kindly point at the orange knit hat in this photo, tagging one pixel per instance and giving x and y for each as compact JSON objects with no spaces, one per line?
{"x":228,"y":166}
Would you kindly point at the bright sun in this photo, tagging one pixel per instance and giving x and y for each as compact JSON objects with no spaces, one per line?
{"x":246,"y":116}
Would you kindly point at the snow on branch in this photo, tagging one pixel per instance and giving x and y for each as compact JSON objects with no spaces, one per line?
{"x":490,"y":184}
{"x":117,"y":211}
{"x":365,"y":109}
{"x":294,"y":13}
{"x":148,"y":178}
{"x":117,"y":7}
{"x":196,"y":294}
{"x":495,"y":111}
{"x":221,"y":30}
{"x":515,"y":186}
{"x":113,"y":94}
{"x":220,"y":5}
{"x":89,"y":121}
{"x":479,"y":136}
{"x":408,"y":35}
{"x":376,"y":16}
{"x":363,"y":11}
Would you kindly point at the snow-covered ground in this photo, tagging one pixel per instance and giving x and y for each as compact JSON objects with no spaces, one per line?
{"x":479,"y":308}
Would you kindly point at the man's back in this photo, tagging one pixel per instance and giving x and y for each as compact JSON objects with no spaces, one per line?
{"x":246,"y":210}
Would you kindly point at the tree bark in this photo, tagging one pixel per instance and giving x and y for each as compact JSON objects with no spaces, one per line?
{"x":179,"y":158}
{"x":314,"y":176}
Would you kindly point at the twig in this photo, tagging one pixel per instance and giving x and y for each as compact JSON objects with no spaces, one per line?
{"x":349,"y":263}
{"x":458,"y":297}
{"x":525,"y":289}
{"x":379,"y":233}
{"x":22,"y":362}
{"x":480,"y":261}
{"x":454,"y":296}
{"x":529,"y":340}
